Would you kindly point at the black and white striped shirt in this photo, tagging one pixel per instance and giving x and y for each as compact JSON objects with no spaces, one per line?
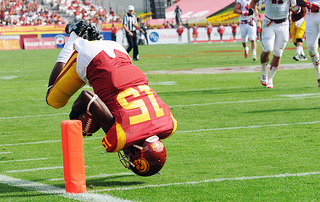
{"x":129,"y":20}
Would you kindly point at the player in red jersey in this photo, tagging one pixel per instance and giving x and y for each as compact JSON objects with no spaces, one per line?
{"x":127,"y":109}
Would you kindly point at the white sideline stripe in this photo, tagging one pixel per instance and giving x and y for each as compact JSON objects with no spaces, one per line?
{"x":302,"y":96}
{"x":23,"y":160}
{"x":5,"y":152}
{"x":29,"y":116}
{"x":35,"y":169}
{"x":210,"y":180}
{"x":185,"y":131}
{"x":95,"y":176}
{"x":28,"y":143}
{"x":49,"y":189}
{"x":245,"y":101}
{"x":244,"y":127}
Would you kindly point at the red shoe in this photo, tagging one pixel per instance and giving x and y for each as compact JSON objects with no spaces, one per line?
{"x":245,"y":54}
{"x":264,"y":80}
{"x":318,"y":82}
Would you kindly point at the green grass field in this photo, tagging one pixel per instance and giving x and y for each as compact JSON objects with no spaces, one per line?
{"x":236,"y":140}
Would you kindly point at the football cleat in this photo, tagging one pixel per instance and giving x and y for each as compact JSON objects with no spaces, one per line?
{"x":246,"y":52}
{"x":254,"y":57}
{"x":303,"y":58}
{"x":270,"y":84}
{"x":296,"y":57}
{"x":79,"y":28}
{"x":264,"y":80}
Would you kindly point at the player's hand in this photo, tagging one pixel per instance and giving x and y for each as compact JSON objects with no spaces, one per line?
{"x":296,"y":9}
{"x":245,"y":13}
{"x":314,"y":6}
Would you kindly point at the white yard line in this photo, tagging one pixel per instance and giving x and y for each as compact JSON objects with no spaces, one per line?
{"x":287,"y":97}
{"x":210,"y":180}
{"x":186,"y":131}
{"x":9,"y":161}
{"x":5,"y":152}
{"x":34,"y":169}
{"x":96,"y":176}
{"x":49,"y":189}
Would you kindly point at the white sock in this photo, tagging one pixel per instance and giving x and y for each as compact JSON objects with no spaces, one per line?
{"x":264,"y":70}
{"x":300,"y":50}
{"x":272,"y":72}
{"x":246,"y":49}
{"x":254,"y":52}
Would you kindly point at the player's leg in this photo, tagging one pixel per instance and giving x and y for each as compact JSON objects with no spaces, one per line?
{"x":88,"y":101}
{"x":244,"y":39}
{"x":281,"y":40}
{"x":268,"y":37}
{"x":130,"y":43}
{"x":293,"y":30}
{"x":252,"y":34}
{"x":312,"y":34}
{"x":299,"y":35}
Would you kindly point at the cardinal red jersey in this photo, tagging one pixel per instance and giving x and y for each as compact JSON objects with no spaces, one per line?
{"x":139,"y":112}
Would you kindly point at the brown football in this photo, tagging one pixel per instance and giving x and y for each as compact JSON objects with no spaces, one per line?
{"x":89,"y":124}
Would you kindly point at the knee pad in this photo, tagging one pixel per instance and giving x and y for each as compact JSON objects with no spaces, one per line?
{"x":312,"y":50}
{"x":67,"y":83}
{"x":277,"y":52}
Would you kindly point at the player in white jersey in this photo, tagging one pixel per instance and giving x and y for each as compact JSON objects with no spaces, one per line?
{"x":248,"y":27}
{"x":312,"y":33}
{"x":275,"y":35}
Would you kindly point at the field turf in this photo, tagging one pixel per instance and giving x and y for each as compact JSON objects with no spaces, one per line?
{"x":236,"y":140}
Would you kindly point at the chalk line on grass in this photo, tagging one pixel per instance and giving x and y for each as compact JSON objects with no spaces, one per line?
{"x":49,"y":189}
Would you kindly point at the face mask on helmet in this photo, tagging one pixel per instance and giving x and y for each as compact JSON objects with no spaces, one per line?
{"x":146,"y":158}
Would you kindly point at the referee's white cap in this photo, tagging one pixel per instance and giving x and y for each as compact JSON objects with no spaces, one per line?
{"x":131,"y":8}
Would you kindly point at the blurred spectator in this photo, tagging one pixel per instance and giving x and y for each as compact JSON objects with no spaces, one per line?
{"x":195,"y":32}
{"x":162,"y":26}
{"x":168,"y":26}
{"x":234,"y":27}
{"x":178,"y":12}
{"x":209,"y":31}
{"x":180,"y":30}
{"x":114,"y":30}
{"x":221,"y":31}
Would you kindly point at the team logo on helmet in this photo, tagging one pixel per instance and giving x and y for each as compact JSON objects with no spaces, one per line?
{"x":141,"y":165}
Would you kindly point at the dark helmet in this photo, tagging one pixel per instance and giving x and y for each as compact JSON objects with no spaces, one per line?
{"x":146,"y":158}
{"x":92,"y":33}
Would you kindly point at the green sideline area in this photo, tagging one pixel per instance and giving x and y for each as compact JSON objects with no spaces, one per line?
{"x":236,"y":140}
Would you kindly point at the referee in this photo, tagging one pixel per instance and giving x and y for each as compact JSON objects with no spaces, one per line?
{"x":130,"y":24}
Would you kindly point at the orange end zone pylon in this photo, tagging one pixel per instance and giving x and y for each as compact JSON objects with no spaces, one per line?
{"x":73,"y":156}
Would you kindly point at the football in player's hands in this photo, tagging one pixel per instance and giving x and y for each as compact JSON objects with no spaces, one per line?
{"x":89,"y":124}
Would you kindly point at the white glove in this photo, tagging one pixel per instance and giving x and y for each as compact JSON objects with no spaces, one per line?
{"x":299,"y":22}
{"x":296,"y":9}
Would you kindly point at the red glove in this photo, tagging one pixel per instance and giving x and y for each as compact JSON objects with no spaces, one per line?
{"x":245,"y":13}
{"x":314,"y":6}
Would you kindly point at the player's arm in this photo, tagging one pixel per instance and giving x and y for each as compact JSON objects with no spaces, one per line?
{"x":253,"y":4}
{"x":236,"y":9}
{"x":311,"y":5}
{"x":88,"y":101}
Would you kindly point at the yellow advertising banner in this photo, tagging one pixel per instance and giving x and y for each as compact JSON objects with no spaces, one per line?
{"x":10,"y":44}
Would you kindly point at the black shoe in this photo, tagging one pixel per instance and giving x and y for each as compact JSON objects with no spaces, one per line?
{"x":136,"y":59}
{"x":79,"y":28}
